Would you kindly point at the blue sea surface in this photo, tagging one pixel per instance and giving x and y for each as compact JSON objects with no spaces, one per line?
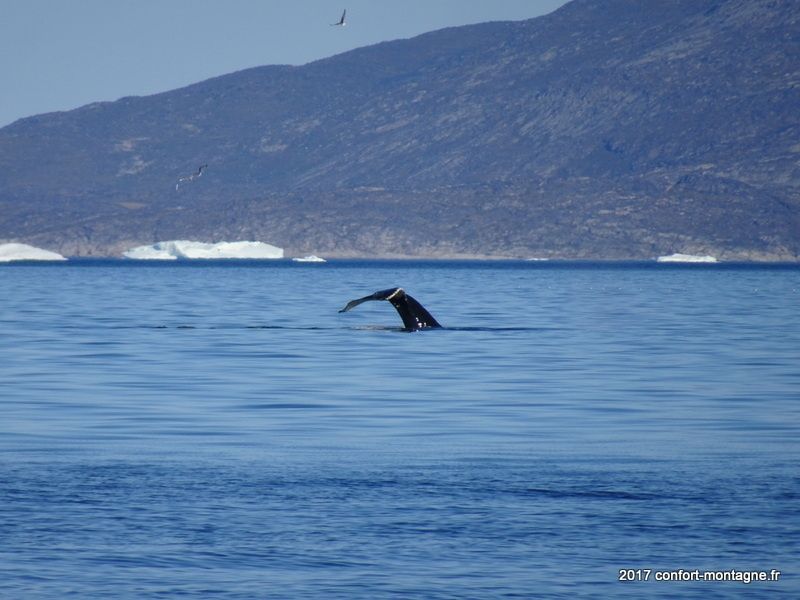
{"x":219,"y":430}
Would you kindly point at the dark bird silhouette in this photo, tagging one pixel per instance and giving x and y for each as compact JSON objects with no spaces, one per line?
{"x":412,"y":312}
{"x":191,"y":177}
{"x":340,"y":22}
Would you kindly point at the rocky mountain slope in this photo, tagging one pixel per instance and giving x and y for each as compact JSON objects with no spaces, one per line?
{"x":607,"y":129}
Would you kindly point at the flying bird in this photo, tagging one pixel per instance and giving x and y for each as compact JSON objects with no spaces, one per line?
{"x":341,"y":22}
{"x":191,"y":177}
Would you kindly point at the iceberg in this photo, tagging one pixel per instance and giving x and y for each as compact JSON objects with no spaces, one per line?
{"x":690,"y":258}
{"x":185,"y":249}
{"x":10,"y":252}
{"x":310,"y":259}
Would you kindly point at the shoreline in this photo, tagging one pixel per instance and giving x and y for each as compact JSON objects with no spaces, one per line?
{"x":289,"y":261}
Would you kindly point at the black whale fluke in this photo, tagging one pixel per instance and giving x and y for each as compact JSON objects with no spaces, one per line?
{"x":412,"y":312}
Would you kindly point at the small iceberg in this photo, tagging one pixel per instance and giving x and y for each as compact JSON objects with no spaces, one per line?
{"x":11,"y":252}
{"x":687,"y":258}
{"x":184,"y":249}
{"x":310,"y":259}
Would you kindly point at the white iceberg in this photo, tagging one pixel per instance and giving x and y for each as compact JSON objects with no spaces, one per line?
{"x":687,"y":258}
{"x":185,"y":249}
{"x":10,"y":252}
{"x":311,"y":258}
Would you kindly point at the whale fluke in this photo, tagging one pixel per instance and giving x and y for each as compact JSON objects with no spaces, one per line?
{"x":412,"y":312}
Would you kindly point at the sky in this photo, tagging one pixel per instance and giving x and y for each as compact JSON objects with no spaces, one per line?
{"x":61,"y":54}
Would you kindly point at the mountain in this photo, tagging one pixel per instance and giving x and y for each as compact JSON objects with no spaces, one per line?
{"x":607,"y":129}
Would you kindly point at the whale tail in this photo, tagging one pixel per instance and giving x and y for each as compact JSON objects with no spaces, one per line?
{"x":414,"y":315}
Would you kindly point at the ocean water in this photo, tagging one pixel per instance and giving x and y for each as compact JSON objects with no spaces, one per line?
{"x":219,"y":430}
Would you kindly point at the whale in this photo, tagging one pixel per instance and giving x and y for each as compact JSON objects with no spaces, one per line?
{"x":413,"y":314}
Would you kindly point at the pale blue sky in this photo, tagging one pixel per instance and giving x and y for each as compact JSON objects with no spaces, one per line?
{"x":61,"y":54}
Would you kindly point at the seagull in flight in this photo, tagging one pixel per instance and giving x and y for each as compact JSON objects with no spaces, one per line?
{"x":191,"y":177}
{"x":341,"y":22}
